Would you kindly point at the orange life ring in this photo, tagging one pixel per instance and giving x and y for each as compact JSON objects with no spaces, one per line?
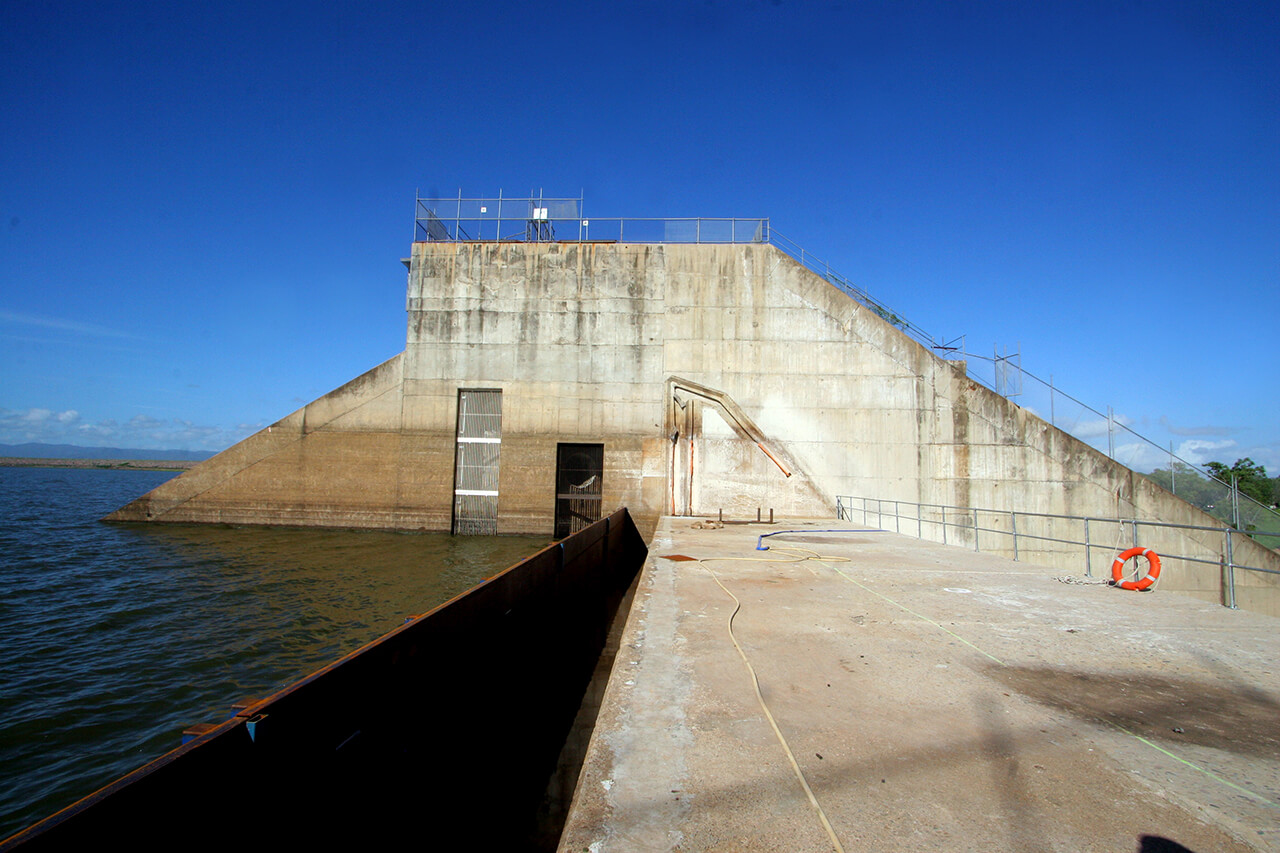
{"x":1147,"y":580}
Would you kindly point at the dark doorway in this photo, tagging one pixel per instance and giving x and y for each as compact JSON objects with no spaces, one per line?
{"x":579,"y":471}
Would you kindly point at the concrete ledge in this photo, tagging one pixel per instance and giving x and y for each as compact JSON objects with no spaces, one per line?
{"x":934,"y":699}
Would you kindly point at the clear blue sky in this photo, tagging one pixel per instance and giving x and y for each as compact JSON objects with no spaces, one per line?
{"x":203,"y":205}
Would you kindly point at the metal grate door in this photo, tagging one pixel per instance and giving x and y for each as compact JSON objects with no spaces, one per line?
{"x":579,"y":472}
{"x":475,"y":473}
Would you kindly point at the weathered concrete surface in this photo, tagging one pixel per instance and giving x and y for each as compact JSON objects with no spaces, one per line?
{"x":934,"y":698}
{"x":588,"y":344}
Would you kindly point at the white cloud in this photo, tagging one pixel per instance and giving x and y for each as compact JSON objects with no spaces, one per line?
{"x":43,"y":322}
{"x":141,"y":431}
{"x":1197,"y":451}
{"x":1141,"y":456}
{"x":143,"y":422}
{"x":1095,"y":428}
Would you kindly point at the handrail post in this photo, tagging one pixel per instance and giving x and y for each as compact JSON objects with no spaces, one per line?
{"x":975,"y":529}
{"x":1231,"y":572}
{"x":943,"y":507}
{"x":897,"y":517}
{"x":1088,"y":565}
{"x":1013,"y":523}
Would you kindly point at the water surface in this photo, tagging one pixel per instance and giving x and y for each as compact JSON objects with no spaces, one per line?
{"x":115,"y":638}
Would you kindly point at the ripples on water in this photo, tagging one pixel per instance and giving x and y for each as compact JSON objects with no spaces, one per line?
{"x":114,"y":638}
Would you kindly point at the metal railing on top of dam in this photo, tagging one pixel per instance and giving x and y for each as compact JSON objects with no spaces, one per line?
{"x":960,"y":525}
{"x":545,"y":220}
{"x":536,"y":219}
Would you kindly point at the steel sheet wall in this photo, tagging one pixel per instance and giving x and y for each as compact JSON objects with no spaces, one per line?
{"x":443,"y":733}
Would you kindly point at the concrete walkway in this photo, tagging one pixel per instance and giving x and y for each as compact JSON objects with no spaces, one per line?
{"x":933,"y":699}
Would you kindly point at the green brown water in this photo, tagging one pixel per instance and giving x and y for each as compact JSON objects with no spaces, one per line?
{"x":116,"y":637}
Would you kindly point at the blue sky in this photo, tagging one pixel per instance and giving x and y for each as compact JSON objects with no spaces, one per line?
{"x":203,"y":205}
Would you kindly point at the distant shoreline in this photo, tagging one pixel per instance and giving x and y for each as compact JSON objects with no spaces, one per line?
{"x":106,"y":464}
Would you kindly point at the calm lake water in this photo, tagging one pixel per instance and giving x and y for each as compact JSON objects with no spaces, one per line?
{"x":114,"y":638}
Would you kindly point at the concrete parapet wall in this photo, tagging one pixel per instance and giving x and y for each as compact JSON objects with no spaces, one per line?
{"x":584,"y":341}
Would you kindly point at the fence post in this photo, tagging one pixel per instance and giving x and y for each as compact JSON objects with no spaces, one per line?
{"x":975,"y":529}
{"x":897,"y":518}
{"x":1053,"y":420}
{"x":1235,"y":503}
{"x":919,"y":521}
{"x":944,"y":524}
{"x":1088,"y":566}
{"x":1231,"y":572}
{"x":1013,"y":523}
{"x":1111,"y":433}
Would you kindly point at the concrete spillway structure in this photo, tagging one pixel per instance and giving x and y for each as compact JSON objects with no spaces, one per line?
{"x":691,"y":378}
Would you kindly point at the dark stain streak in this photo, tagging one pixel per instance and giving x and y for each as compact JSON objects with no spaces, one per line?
{"x":1169,"y":709}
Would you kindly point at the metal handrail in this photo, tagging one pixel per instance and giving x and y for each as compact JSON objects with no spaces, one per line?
{"x":968,"y":519}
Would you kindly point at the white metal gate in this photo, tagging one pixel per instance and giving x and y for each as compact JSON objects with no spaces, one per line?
{"x":475,"y":473}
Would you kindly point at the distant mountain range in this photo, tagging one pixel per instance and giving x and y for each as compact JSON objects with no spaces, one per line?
{"x":35,"y":450}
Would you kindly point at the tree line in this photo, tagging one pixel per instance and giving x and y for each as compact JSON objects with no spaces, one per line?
{"x":1214,"y":497}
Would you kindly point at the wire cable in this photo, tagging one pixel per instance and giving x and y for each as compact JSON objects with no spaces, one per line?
{"x":764,"y":706}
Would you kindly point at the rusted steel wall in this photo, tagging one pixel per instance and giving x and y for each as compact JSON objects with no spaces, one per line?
{"x":444,"y":732}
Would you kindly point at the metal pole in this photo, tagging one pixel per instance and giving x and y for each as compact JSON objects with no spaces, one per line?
{"x":975,"y":529}
{"x":1111,"y":433}
{"x":944,"y":524}
{"x":919,"y":521}
{"x":1088,"y":567}
{"x":1013,"y":522}
{"x":1173,"y":471}
{"x":1052,"y":415}
{"x":897,"y":518}
{"x":1231,"y":572}
{"x":1235,"y":502}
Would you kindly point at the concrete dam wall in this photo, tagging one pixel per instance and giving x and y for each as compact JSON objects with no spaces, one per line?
{"x":545,"y":384}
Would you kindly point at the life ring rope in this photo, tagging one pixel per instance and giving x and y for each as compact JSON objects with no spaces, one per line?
{"x":1146,"y":581}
